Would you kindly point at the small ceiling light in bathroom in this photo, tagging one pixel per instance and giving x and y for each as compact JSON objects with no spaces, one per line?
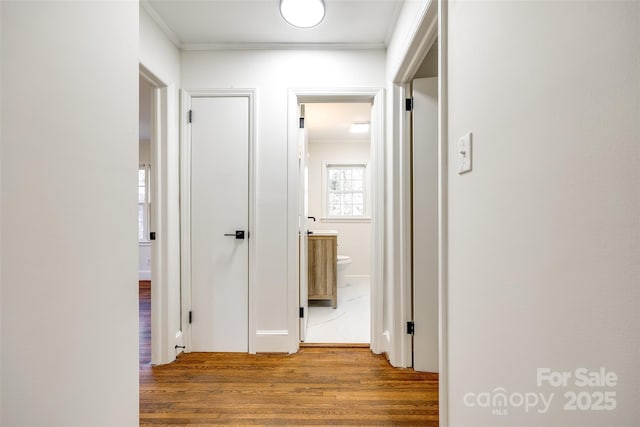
{"x":360,"y":127}
{"x":302,"y":13}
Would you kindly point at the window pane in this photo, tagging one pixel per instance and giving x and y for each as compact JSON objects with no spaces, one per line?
{"x":334,"y":180}
{"x":141,"y":222}
{"x":141,"y":185}
{"x":345,"y":191}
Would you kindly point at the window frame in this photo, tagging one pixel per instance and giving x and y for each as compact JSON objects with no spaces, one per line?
{"x":145,"y":204}
{"x":365,"y":217}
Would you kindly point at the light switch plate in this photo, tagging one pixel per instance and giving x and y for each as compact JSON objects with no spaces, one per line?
{"x":464,"y":154}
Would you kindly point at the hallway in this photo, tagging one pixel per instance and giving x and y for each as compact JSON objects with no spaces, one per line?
{"x":317,"y":386}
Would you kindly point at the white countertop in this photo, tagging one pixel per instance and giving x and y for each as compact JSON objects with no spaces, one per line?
{"x":324,"y":232}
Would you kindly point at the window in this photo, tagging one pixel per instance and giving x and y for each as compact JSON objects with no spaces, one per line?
{"x":143,"y":203}
{"x":345,"y":191}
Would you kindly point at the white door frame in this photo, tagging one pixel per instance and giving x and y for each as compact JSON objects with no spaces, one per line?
{"x":162,"y":350}
{"x":433,"y":25}
{"x":185,"y":203}
{"x":297,"y":96}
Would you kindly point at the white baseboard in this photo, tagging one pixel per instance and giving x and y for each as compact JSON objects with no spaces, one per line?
{"x":144,"y":275}
{"x":179,"y":343}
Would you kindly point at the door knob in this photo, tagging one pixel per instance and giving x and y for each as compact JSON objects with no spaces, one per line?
{"x":239,"y":234}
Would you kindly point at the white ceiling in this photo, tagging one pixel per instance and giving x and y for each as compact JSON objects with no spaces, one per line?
{"x":194,"y":24}
{"x":332,"y":122}
{"x":206,"y":24}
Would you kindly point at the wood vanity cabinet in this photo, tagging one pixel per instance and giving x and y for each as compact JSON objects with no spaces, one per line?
{"x":323,"y":260}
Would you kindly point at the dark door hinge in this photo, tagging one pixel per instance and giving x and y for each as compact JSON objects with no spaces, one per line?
{"x":190,"y":116}
{"x":410,"y":328}
{"x":301,"y":122}
{"x":302,"y":312}
{"x":408,"y":104}
{"x":190,"y":317}
{"x":152,"y":235}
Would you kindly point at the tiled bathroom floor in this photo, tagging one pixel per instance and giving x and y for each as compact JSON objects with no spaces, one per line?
{"x":349,"y":322}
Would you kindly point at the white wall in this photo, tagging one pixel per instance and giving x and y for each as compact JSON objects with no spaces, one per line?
{"x":544,"y":232}
{"x":429,"y":66}
{"x":69,"y":297}
{"x":273,"y":73}
{"x":354,"y":238}
{"x":162,"y":58}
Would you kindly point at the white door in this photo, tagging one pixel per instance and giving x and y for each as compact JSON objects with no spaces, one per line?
{"x":425,"y":224}
{"x":219,"y":209}
{"x":303,"y":209}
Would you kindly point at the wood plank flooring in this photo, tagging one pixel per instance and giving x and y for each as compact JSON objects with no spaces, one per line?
{"x":315,"y":387}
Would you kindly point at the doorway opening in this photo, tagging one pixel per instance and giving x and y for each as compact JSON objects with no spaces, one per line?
{"x":336,"y":188}
{"x":424,"y":171}
{"x":339,"y":182}
{"x":156,"y":337}
{"x":146,"y":97}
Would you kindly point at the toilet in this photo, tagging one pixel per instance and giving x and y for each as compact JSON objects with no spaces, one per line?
{"x":343,"y":262}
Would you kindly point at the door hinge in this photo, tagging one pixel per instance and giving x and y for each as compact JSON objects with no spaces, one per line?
{"x":410,"y":327}
{"x":302,"y":312}
{"x":408,"y":104}
{"x":152,"y":235}
{"x":190,"y":317}
{"x":301,"y":122}
{"x":190,"y":116}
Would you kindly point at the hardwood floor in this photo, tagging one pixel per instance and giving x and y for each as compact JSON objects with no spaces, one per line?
{"x":317,"y":386}
{"x":144,"y":310}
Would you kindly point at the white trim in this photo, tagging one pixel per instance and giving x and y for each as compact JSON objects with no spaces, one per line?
{"x":340,"y":141}
{"x":346,"y":219}
{"x":420,"y":41}
{"x":185,"y":203}
{"x":394,"y":18}
{"x":443,"y":214}
{"x":281,"y":46}
{"x":173,"y":37}
{"x":272,"y":332}
{"x":308,"y":95}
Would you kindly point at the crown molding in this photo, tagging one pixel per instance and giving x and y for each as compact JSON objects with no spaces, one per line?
{"x":171,"y":35}
{"x":146,"y":5}
{"x":281,"y":46}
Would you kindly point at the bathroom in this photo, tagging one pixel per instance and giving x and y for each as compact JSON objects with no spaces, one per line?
{"x":339,"y":192}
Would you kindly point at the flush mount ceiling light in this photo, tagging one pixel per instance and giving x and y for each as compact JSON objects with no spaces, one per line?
{"x":302,"y":13}
{"x":360,"y":127}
